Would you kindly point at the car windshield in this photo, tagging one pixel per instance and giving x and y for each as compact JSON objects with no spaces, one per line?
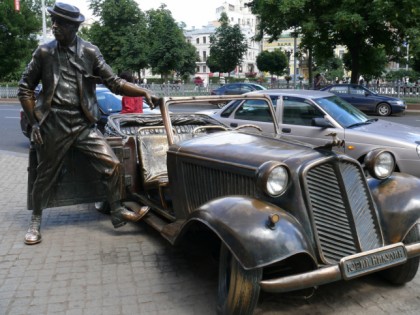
{"x":259,"y":87}
{"x":344,"y":113}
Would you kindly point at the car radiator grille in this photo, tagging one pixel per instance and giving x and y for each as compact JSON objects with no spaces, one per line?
{"x":206,"y":183}
{"x":342,"y":231}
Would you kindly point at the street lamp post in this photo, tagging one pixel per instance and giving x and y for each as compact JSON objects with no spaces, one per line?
{"x":294,"y":58}
{"x":288,"y":54}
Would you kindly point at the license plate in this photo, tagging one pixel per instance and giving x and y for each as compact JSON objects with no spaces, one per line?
{"x":371,"y":261}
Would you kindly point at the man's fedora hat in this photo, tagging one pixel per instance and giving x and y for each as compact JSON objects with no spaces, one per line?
{"x":67,"y":12}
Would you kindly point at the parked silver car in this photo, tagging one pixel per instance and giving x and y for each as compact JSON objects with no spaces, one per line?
{"x":316,"y":116}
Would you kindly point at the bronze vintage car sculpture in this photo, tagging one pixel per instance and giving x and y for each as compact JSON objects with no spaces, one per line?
{"x":287,"y":216}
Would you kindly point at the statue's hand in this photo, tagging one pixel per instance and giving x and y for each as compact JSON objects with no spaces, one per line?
{"x":36,"y":134}
{"x":156,"y":101}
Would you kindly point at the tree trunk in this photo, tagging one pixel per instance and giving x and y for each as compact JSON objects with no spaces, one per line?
{"x":309,"y":65}
{"x":355,"y":65}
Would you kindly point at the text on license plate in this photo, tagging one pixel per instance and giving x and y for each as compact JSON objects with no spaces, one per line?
{"x":371,"y":261}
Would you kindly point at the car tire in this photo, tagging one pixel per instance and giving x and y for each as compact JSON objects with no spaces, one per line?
{"x":238,"y":288}
{"x":383,"y":109}
{"x":404,"y":273}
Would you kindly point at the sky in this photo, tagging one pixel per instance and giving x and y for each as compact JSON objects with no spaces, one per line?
{"x":195,"y":13}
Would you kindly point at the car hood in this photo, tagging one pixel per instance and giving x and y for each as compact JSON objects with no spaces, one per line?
{"x":247,"y":149}
{"x":385,"y":98}
{"x":390,"y":130}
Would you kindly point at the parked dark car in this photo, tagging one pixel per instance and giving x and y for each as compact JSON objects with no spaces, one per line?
{"x":283,"y":215}
{"x":109,"y":103}
{"x":235,"y":89}
{"x":367,"y":100}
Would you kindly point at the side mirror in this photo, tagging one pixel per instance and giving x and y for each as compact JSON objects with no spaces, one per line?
{"x":321,"y":122}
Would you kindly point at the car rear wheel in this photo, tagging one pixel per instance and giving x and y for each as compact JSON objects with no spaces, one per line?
{"x":383,"y":109}
{"x":404,"y":273}
{"x":238,"y":288}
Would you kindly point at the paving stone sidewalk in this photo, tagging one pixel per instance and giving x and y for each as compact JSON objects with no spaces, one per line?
{"x":83,"y":267}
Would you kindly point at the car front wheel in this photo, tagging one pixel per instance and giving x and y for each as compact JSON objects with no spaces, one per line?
{"x":383,"y":109}
{"x":238,"y":288}
{"x":404,"y":273}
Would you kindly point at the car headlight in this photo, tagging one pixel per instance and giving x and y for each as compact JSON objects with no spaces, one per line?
{"x":401,"y":103}
{"x":273,"y":178}
{"x":380,"y":163}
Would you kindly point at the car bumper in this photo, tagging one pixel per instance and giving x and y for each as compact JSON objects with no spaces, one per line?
{"x":396,"y":109}
{"x":348,"y":268}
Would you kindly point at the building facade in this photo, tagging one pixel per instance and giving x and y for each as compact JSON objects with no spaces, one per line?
{"x":239,"y":14}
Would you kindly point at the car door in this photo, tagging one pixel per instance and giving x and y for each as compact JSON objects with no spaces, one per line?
{"x":297,"y":122}
{"x":359,"y":97}
{"x":245,"y":112}
{"x":246,"y":88}
{"x":233,"y":89}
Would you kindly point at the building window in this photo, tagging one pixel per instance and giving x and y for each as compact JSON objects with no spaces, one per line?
{"x":197,"y":69}
{"x":204,"y":39}
{"x":197,"y":40}
{"x":204,"y":55}
{"x":204,"y":69}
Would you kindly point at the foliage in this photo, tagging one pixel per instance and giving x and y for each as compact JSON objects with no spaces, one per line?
{"x":120,"y":33}
{"x":374,"y":62}
{"x":401,"y":74}
{"x":18,"y":36}
{"x":331,"y":69}
{"x":414,"y":47}
{"x":187,"y":66}
{"x":227,"y":47}
{"x":169,"y":51}
{"x":275,"y":62}
{"x":361,"y":26}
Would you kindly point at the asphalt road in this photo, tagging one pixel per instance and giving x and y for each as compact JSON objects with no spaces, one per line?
{"x":12,"y":138}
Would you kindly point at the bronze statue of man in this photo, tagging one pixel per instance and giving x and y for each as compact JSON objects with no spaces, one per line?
{"x":66,"y":110}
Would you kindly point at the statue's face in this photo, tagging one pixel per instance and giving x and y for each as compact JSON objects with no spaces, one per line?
{"x":64,"y":31}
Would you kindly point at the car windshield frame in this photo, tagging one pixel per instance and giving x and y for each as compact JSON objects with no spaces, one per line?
{"x":341,"y":111}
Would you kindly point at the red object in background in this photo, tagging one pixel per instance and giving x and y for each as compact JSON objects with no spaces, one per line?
{"x":132,"y":105}
{"x":17,"y":5}
{"x":198,"y":81}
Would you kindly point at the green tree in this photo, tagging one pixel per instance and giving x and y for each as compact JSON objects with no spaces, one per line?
{"x":167,"y":53}
{"x":332,"y":68}
{"x":373,"y":65}
{"x":360,"y":26}
{"x":187,"y":66}
{"x":120,"y":33}
{"x":275,"y":62}
{"x":227,"y":47}
{"x":18,"y":37}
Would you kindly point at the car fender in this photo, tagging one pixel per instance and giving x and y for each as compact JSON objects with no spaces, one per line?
{"x":242,"y":223}
{"x":398,"y":202}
